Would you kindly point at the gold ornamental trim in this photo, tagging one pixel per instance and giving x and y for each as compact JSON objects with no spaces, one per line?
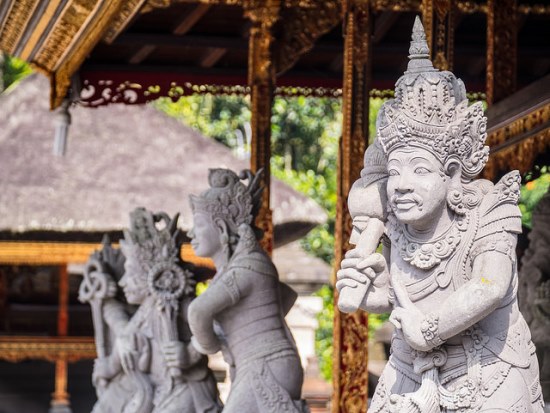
{"x":516,"y":143}
{"x":18,"y":348}
{"x":56,"y":253}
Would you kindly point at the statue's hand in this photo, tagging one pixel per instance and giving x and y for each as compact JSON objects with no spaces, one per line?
{"x":175,"y":354}
{"x":408,"y":318}
{"x":356,"y":268}
{"x":127,"y":352}
{"x":104,"y":370}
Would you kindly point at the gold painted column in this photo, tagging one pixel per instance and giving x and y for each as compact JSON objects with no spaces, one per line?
{"x":60,"y":398}
{"x":438,"y":21}
{"x":261,"y":79}
{"x":502,"y":44}
{"x":350,"y":377}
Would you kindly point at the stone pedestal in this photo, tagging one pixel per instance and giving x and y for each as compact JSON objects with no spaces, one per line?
{"x":60,"y":408}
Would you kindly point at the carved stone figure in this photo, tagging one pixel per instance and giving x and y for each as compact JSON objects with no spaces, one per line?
{"x":242,"y":311}
{"x":534,"y":291}
{"x":145,"y":362}
{"x":448,"y":272}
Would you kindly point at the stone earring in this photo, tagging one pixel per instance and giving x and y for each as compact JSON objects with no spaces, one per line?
{"x":455,"y":201}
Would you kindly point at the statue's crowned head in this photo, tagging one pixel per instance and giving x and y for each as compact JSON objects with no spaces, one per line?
{"x":429,"y":130}
{"x":151,"y":245}
{"x":431,"y":111}
{"x":221,"y":211}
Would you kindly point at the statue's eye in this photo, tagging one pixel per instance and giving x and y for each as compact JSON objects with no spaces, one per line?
{"x":393,"y":172}
{"x":421,"y":170}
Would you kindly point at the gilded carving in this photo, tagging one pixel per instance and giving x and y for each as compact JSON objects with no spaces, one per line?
{"x":439,"y":26}
{"x":16,"y":19}
{"x":128,"y":10}
{"x":16,"y":349}
{"x":399,"y":5}
{"x":302,"y":28}
{"x":350,"y":332}
{"x":50,"y":253}
{"x":520,"y":155}
{"x":501,"y":49}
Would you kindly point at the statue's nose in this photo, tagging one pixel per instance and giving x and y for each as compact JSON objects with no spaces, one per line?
{"x":404,"y":184}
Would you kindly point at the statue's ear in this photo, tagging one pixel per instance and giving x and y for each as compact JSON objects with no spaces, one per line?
{"x":453,"y":168}
{"x":222,"y":227}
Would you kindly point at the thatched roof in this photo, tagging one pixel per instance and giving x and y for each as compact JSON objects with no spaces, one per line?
{"x":119,"y":157}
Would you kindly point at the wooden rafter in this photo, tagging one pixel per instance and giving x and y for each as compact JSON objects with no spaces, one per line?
{"x":185,"y":24}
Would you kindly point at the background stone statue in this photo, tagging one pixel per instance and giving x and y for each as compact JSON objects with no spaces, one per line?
{"x":145,"y":360}
{"x":534,"y":291}
{"x":242,"y":311}
{"x":448,"y":273}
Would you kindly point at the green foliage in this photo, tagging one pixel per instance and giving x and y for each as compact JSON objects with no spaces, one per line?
{"x":323,"y":334}
{"x":216,"y":116}
{"x":531,"y":193}
{"x":13,"y":70}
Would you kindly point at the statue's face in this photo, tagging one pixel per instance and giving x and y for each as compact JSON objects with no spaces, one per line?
{"x":205,"y":235}
{"x":132,"y":282}
{"x":417,"y":187}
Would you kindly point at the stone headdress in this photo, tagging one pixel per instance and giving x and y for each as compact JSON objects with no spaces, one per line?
{"x":154,"y":240}
{"x":431,"y":111}
{"x":230,"y":199}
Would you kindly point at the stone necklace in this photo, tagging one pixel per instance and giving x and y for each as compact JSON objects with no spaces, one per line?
{"x":427,"y":254}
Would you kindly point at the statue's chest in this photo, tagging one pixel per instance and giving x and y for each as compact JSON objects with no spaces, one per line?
{"x":432,"y":270}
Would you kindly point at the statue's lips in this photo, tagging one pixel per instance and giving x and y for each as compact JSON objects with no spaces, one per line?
{"x":405,"y":204}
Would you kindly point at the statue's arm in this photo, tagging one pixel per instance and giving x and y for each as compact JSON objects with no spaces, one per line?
{"x":204,"y":308}
{"x":492,"y":274}
{"x":115,"y":315}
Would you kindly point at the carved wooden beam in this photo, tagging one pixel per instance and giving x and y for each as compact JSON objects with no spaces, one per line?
{"x":58,"y":253}
{"x":17,"y":348}
{"x":438,"y":20}
{"x":301,"y":29}
{"x":350,"y":376}
{"x":261,"y":80}
{"x":502,"y":44}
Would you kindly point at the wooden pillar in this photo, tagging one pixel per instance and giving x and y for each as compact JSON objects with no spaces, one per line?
{"x":438,"y":20}
{"x":350,"y":377}
{"x":261,"y":79}
{"x":502,"y":43}
{"x":60,"y":398}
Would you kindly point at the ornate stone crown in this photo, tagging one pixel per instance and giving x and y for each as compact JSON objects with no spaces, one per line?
{"x":229,"y":199}
{"x":431,"y":111}
{"x":153,"y":238}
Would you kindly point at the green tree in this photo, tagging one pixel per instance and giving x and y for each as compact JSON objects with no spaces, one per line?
{"x":12,"y":70}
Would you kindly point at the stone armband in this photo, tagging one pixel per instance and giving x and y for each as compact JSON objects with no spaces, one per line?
{"x":430,"y":330}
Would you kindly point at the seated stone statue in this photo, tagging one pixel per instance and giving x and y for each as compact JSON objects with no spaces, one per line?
{"x":145,"y":362}
{"x":448,"y":273}
{"x":242,"y":311}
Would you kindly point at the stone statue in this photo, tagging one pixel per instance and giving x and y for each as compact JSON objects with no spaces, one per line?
{"x":534,"y":291}
{"x":242,"y":311}
{"x":448,"y":270}
{"x":145,"y":362}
